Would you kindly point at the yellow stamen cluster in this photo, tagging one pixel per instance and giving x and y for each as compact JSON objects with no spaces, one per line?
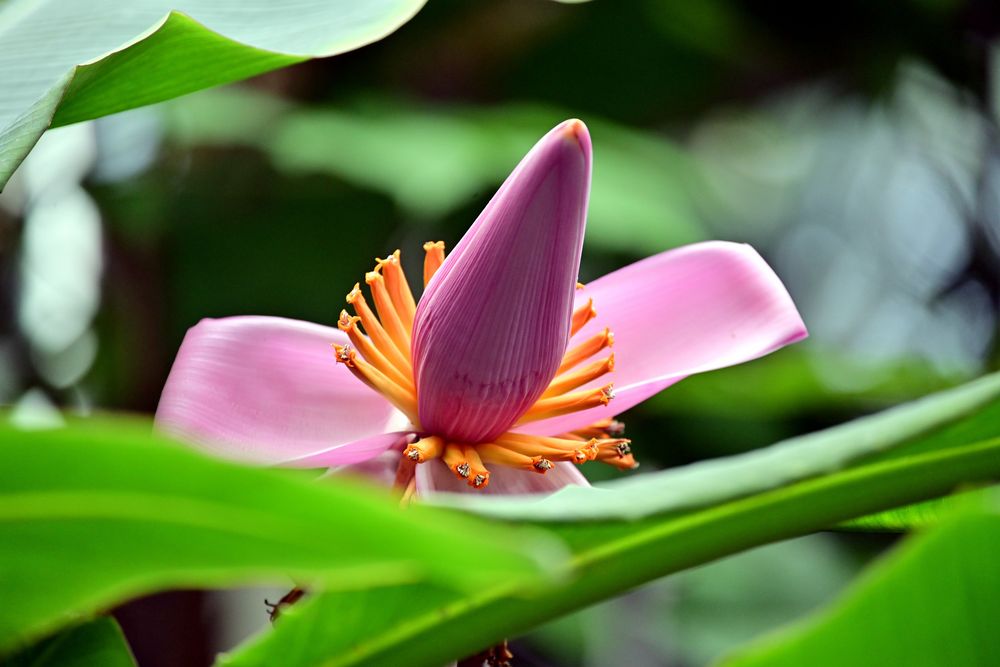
{"x":379,"y":355}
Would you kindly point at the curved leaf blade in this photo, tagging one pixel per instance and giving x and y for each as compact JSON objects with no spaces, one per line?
{"x":926,"y":514}
{"x":62,"y":62}
{"x":934,"y":601}
{"x":108,"y":85}
{"x":718,"y":480}
{"x":96,"y":513}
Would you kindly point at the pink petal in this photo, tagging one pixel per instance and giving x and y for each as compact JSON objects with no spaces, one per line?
{"x":492,"y":326}
{"x":354,"y":452}
{"x":435,"y":477}
{"x":379,"y":469}
{"x":689,"y":310}
{"x":268,"y":389}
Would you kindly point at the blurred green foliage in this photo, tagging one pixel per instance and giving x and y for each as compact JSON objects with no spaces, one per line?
{"x":699,"y":614}
{"x":432,"y":161}
{"x":931,"y":602}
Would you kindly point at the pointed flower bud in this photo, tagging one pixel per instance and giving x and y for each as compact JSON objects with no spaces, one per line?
{"x":491,"y":329}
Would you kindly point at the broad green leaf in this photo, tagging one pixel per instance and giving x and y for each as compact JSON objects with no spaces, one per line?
{"x":925,"y":514}
{"x":96,"y":643}
{"x":935,"y":601}
{"x":719,"y":480}
{"x":63,"y":62}
{"x":432,"y":161}
{"x":944,"y":441}
{"x":94,"y":513}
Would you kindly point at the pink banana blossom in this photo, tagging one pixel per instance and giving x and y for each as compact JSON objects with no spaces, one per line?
{"x":508,"y":373}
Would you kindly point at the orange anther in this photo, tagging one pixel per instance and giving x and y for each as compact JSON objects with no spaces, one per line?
{"x":616,"y":452}
{"x":388,"y":315}
{"x":399,"y":288}
{"x":556,"y":449}
{"x":424,"y":449}
{"x":454,"y":457}
{"x":567,"y":403}
{"x":601,"y":429}
{"x":541,"y":464}
{"x":403,"y":399}
{"x":581,"y":316}
{"x":377,"y":333}
{"x":494,"y":453}
{"x":479,"y":476}
{"x":433,"y":259}
{"x":371,"y":354}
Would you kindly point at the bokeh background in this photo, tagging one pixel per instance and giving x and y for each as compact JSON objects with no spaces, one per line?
{"x":855,"y":144}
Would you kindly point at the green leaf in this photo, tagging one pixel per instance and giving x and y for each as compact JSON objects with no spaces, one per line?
{"x":935,"y":601}
{"x":96,"y":643}
{"x":926,"y":514}
{"x":63,"y":62}
{"x":902,"y":456}
{"x":101,"y":511}
{"x":719,"y":480}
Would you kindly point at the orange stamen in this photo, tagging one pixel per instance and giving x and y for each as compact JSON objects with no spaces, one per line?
{"x":387,"y":313}
{"x":433,"y":259}
{"x":567,"y":403}
{"x":557,"y":449}
{"x":627,"y":462}
{"x":616,"y":452}
{"x":496,"y":454}
{"x":454,"y":457}
{"x":479,"y":476}
{"x":372,"y":355}
{"x":378,"y":335}
{"x":374,"y":378}
{"x":573,"y":379}
{"x":586,"y":349}
{"x":399,"y":288}
{"x":424,"y":449}
{"x":581,"y":316}
{"x":590,"y":451}
{"x":602,"y":429}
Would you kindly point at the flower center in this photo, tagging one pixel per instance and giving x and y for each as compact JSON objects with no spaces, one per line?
{"x":379,"y":356}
